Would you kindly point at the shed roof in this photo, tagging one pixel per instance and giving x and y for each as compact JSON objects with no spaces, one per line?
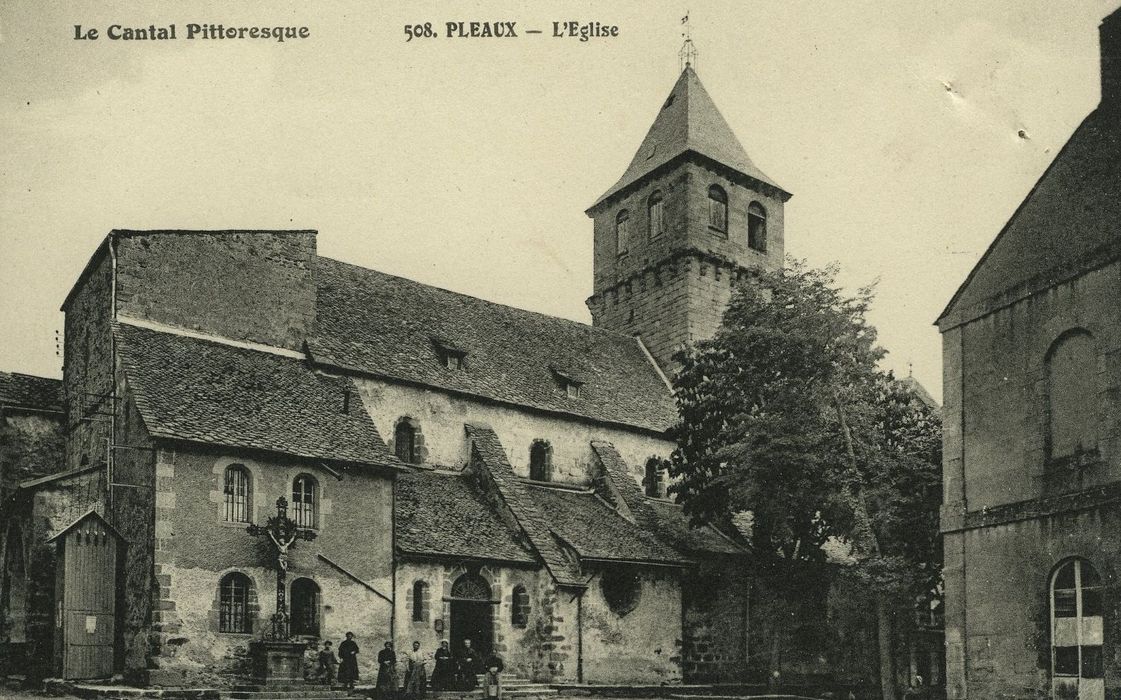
{"x":204,"y":391}
{"x":28,"y":391}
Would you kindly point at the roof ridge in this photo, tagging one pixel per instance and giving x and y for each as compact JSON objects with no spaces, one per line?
{"x":518,"y":309}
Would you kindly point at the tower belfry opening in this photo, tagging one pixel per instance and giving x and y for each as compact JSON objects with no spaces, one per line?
{"x":690,"y":216}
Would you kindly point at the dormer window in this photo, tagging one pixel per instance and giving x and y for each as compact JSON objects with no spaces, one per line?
{"x":451,"y":356}
{"x":569,"y":383}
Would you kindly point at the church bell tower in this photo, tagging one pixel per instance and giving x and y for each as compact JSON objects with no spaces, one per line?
{"x":690,"y":217}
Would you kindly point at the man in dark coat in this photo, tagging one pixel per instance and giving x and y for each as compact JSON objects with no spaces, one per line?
{"x":387,"y":672}
{"x":467,"y":666}
{"x":348,"y":657}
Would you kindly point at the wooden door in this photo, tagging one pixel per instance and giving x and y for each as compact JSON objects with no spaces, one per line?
{"x":89,"y":595}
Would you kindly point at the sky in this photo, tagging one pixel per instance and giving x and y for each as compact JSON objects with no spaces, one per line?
{"x":907,"y":132}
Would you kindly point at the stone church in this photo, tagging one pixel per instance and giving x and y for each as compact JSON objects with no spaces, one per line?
{"x":1032,"y":458}
{"x":468,"y":469}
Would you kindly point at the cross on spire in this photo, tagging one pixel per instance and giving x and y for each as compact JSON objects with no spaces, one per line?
{"x":688,"y":52}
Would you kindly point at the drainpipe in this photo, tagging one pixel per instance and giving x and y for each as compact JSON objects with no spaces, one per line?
{"x":580,"y":637}
{"x":393,"y":559}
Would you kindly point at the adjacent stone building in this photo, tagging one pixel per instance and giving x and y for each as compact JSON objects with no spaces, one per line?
{"x":1032,"y":470}
{"x":469,"y":470}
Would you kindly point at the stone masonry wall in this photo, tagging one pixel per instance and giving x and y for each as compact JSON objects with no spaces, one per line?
{"x":642,"y":646}
{"x":715,"y":622}
{"x":351,"y":559}
{"x":87,"y":372}
{"x":441,"y":418}
{"x":657,"y":290}
{"x":31,"y":445}
{"x":246,"y":285}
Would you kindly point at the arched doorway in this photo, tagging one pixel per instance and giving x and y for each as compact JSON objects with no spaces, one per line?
{"x":472,"y":613}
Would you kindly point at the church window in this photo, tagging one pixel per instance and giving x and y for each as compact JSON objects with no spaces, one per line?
{"x":519,"y":606}
{"x":233,"y":608}
{"x":305,"y":607}
{"x":621,"y":590}
{"x":540,"y":461}
{"x":654,"y":481}
{"x":407,"y":441}
{"x":622,"y":231}
{"x":1072,"y":404}
{"x":237,"y":494}
{"x":304,"y":500}
{"x":420,"y":601}
{"x":657,"y":219}
{"x":718,"y":208}
{"x":757,"y":227}
{"x":1076,"y":631}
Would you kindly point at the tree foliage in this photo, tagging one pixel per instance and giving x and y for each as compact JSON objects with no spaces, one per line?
{"x":785,"y":415}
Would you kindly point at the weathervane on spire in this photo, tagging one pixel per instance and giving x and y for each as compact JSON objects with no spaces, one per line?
{"x":688,"y":52}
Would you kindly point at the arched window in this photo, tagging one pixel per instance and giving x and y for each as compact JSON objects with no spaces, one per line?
{"x":420,"y":601}
{"x":757,"y":227}
{"x":237,"y":494}
{"x":657,"y":219}
{"x":654,"y":481}
{"x":407,"y":441}
{"x":519,"y":606}
{"x":718,"y":208}
{"x":1076,"y":631}
{"x":1072,"y":397}
{"x":233,"y":604}
{"x":540,"y":461}
{"x":13,"y":590}
{"x":305,"y":607}
{"x":304,"y":499}
{"x":622,"y":231}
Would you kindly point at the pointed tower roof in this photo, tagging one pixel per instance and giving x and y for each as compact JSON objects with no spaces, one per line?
{"x":689,"y":121}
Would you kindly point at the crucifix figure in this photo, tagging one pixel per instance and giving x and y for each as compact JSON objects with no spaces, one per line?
{"x":283,"y":531}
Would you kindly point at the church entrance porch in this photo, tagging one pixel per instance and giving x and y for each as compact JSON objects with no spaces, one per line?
{"x":472,"y":613}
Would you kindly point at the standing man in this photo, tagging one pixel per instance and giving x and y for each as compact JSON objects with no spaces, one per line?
{"x":387,"y":673}
{"x":348,"y":656}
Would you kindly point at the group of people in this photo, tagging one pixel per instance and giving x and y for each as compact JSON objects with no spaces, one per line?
{"x":458,"y":671}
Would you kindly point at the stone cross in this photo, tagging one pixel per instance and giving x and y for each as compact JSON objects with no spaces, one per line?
{"x":283,"y":532}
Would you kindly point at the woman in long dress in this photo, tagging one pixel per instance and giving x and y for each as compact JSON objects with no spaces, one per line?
{"x":416,"y":675}
{"x":443,"y":674}
{"x":348,"y":661}
{"x":387,"y":673}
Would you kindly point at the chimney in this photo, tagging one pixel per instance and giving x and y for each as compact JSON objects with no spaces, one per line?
{"x":1109,"y":35}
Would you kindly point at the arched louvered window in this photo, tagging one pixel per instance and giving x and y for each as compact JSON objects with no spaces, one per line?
{"x":757,"y":227}
{"x":718,"y":208}
{"x":622,"y":231}
{"x":656,"y":211}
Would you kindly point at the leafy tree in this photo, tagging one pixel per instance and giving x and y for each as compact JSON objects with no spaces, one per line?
{"x":785,"y":415}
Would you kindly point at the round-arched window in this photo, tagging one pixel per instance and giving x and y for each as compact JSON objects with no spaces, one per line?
{"x":718,"y":208}
{"x":621,"y":590}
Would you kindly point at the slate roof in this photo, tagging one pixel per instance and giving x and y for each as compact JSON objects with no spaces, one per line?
{"x":596,"y":531}
{"x":393,"y":327}
{"x":447,"y":515}
{"x":674,"y":528}
{"x":486,"y":446}
{"x":27,"y":391}
{"x":688,"y":122}
{"x":1068,"y":219}
{"x":203,"y":391}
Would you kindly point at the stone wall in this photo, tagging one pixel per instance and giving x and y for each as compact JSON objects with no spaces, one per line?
{"x":672,"y":289}
{"x":31,"y":445}
{"x":246,"y":285}
{"x":351,"y":559}
{"x":640,"y":646}
{"x":441,"y":417}
{"x":87,"y":373}
{"x":715,"y":622}
{"x":1011,"y":513}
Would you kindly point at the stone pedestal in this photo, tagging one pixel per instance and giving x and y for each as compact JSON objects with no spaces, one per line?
{"x":277,"y":662}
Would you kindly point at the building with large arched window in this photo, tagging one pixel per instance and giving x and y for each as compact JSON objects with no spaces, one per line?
{"x":1032,"y":466}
